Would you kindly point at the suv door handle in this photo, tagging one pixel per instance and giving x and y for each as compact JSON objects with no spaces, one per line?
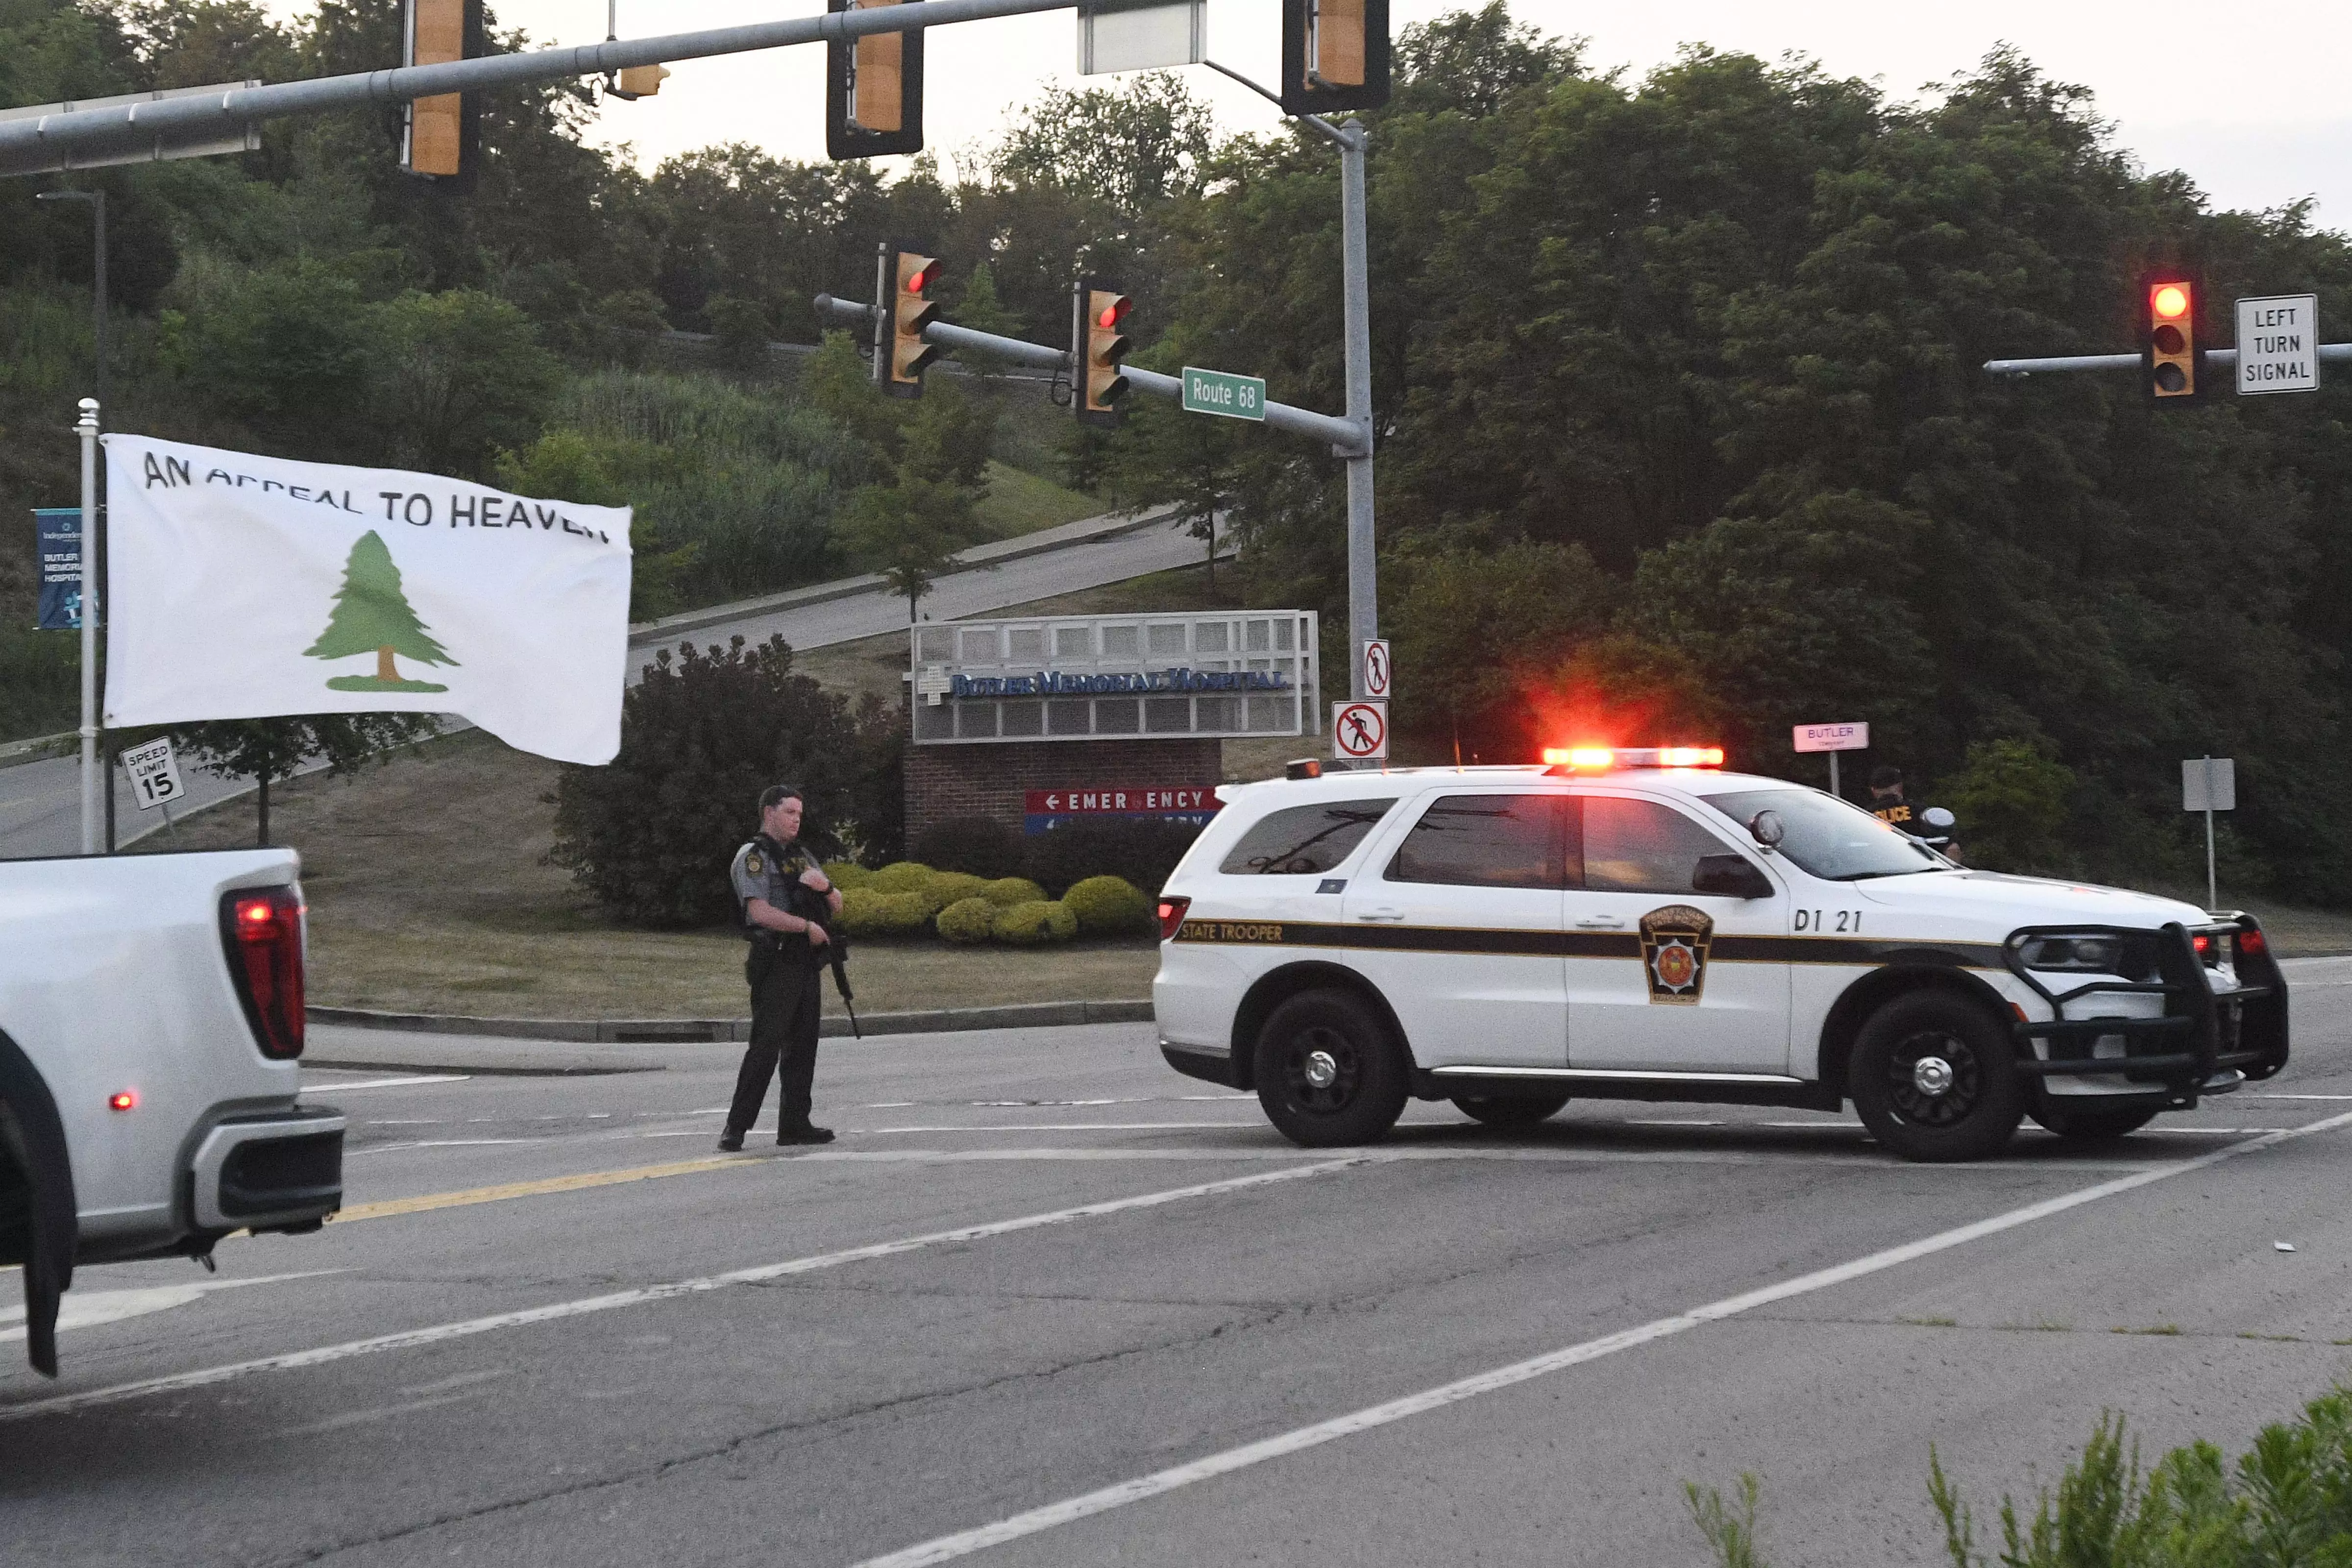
{"x":1381,"y":914}
{"x":1600,"y":922}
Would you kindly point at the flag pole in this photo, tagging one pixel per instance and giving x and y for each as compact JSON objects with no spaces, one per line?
{"x":87,"y":430}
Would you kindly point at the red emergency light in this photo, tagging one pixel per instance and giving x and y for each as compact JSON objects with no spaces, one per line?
{"x":1593,"y":759}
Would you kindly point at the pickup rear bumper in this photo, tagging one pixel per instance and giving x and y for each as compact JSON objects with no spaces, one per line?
{"x":276,"y":1172}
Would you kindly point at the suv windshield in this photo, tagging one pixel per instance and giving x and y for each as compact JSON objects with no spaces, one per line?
{"x":1830,"y":838}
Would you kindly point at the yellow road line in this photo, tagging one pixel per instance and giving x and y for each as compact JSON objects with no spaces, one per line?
{"x":426,"y":1202}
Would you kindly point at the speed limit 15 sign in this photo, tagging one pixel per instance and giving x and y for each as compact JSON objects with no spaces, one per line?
{"x":154,"y":777}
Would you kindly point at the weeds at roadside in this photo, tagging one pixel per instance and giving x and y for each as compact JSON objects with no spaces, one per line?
{"x":1936,"y":1323}
{"x":2161,"y":1330}
{"x":2285,"y":1503}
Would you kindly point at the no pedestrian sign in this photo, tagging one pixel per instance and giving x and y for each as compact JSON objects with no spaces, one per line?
{"x":1359,"y":731}
{"x":1220,"y":392}
{"x":2278,"y":344}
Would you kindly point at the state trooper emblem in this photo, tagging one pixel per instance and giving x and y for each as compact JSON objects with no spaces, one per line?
{"x":1675,"y":941}
{"x":754,"y":864}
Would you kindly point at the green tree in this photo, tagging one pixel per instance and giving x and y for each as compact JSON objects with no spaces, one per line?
{"x":269,"y":750}
{"x":460,"y":376}
{"x":648,"y":835}
{"x":2012,"y":804}
{"x":372,"y":615}
{"x":910,"y":531}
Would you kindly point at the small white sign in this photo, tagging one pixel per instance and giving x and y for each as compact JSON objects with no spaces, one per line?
{"x":1833,"y":737}
{"x":2278,"y":345}
{"x":1376,"y":668}
{"x":1359,"y":731}
{"x":2209,"y":783}
{"x":1140,"y":35}
{"x":154,"y":777}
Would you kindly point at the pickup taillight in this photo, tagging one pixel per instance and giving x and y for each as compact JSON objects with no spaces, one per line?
{"x":1172,"y":915}
{"x":262,"y":930}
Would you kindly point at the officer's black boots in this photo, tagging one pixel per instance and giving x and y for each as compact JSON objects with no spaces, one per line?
{"x":731,"y":1143}
{"x":805,"y":1133}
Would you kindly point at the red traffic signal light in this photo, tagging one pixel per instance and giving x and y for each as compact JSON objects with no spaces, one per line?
{"x":2168,"y":352}
{"x":1098,"y":345}
{"x":874,"y":89}
{"x":900,"y":354}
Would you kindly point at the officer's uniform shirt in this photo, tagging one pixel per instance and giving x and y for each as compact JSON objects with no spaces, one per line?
{"x":761,"y":872}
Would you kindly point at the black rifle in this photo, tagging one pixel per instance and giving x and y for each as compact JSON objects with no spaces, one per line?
{"x":814,"y":907}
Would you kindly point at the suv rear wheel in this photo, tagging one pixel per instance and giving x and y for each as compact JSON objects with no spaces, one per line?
{"x":1510,"y":1110}
{"x":1935,"y":1079}
{"x":1327,"y":1072}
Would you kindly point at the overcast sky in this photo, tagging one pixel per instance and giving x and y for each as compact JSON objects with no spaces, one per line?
{"x":2265,"y":124}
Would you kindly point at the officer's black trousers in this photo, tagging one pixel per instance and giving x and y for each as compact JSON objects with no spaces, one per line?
{"x":784,"y":1007}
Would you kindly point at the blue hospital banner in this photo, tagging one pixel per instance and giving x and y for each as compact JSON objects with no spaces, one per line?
{"x":58,"y":531}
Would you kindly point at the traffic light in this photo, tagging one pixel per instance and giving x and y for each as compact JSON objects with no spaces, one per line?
{"x":639,"y":81}
{"x":438,"y":135}
{"x":1335,"y":55}
{"x":2168,"y":353}
{"x":1099,"y":341}
{"x":900,"y":356}
{"x":874,"y":89}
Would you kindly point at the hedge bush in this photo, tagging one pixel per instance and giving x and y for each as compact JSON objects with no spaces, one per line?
{"x":967,"y":922}
{"x":1007,"y":891}
{"x":1111,"y":906}
{"x":947,"y":887}
{"x":867,"y":913}
{"x":901,"y":877}
{"x":847,"y":874}
{"x":1035,"y":925}
{"x":980,"y":845}
{"x":1139,"y":850}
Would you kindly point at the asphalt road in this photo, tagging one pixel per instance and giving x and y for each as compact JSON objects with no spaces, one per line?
{"x":1046,"y":1302}
{"x":40,"y":803}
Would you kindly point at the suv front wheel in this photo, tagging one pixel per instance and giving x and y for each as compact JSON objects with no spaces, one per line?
{"x":1327,"y":1072}
{"x":1935,"y":1077}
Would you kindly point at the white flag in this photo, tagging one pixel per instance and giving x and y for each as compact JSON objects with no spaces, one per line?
{"x":246,"y":588}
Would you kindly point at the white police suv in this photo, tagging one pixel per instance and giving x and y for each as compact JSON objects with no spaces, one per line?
{"x":1641,"y":925}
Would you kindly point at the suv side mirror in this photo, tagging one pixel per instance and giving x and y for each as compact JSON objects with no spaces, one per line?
{"x":1767,"y":828}
{"x":1730,"y":877}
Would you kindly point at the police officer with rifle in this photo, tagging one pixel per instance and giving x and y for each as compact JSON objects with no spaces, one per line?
{"x":787,"y":902}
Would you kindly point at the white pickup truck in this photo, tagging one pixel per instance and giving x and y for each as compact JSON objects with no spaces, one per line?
{"x":151,"y":1019}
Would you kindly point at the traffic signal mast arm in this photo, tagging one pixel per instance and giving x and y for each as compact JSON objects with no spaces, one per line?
{"x":2329,"y":353}
{"x":35,"y":143}
{"x":1346,"y":438}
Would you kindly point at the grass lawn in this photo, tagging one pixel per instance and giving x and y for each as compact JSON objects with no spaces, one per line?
{"x":429,"y":893}
{"x":1020,"y":502}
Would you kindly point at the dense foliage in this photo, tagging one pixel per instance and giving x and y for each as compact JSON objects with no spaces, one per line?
{"x":649,"y":836}
{"x":1676,"y":382}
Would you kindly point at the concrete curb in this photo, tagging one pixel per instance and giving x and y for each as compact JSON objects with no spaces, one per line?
{"x":1087,"y":531}
{"x":703,"y":1031}
{"x":38,"y":748}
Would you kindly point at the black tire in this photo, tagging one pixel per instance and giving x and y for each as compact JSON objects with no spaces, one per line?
{"x":1894,"y":1085}
{"x":1364,"y":1082}
{"x":2091,"y":1123}
{"x":1510,"y":1110}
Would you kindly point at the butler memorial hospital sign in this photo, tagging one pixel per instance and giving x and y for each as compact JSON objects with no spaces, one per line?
{"x":1037,"y":721}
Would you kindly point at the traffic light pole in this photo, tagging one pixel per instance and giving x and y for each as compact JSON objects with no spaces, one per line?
{"x":2329,"y":353}
{"x":37,"y":142}
{"x":1363,"y":560}
{"x":1339,"y":433}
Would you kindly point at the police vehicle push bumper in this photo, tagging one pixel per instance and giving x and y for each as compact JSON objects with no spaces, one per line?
{"x":2217,"y":1029}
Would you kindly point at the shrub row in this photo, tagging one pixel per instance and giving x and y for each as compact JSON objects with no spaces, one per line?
{"x":910,"y":898}
{"x":1139,"y":851}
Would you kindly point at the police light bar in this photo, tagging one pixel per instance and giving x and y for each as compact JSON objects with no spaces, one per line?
{"x":1595,"y":759}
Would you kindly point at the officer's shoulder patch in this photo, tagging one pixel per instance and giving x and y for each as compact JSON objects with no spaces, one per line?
{"x":754,"y":863}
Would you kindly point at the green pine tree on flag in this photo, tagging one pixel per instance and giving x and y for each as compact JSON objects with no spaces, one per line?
{"x":372,"y":615}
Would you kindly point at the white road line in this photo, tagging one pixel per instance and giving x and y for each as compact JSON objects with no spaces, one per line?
{"x":444,"y":1144}
{"x":1082,"y":1127}
{"x":441,"y":1333}
{"x":2251,"y":1096}
{"x":331,"y":1088}
{"x":1629,"y":1122}
{"x":946,"y":1548}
